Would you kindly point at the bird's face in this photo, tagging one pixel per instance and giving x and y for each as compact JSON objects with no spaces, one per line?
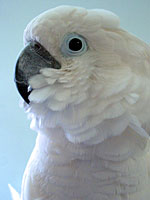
{"x":73,"y":59}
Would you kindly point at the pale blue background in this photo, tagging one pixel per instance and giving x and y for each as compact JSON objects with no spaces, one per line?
{"x":16,"y":138}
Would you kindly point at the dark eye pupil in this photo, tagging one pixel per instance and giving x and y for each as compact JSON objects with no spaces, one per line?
{"x":75,"y":44}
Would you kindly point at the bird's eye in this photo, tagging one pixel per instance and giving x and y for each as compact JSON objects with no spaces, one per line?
{"x":73,"y":45}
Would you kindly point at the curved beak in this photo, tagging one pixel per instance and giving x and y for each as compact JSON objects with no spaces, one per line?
{"x":31,"y":60}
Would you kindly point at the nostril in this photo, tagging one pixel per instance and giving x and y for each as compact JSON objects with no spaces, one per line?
{"x":36,"y":46}
{"x":39,"y":49}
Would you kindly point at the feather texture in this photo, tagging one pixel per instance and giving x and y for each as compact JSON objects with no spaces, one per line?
{"x":91,"y":114}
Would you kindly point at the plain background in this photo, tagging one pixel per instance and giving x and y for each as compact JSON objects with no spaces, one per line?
{"x":16,"y":138}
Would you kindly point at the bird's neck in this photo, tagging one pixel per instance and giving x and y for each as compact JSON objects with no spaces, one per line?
{"x":116,"y":148}
{"x":53,"y":141}
{"x":117,"y":161}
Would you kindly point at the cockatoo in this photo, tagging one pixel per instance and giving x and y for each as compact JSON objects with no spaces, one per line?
{"x":86,"y":87}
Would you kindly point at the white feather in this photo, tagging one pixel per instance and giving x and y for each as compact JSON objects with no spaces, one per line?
{"x":56,"y":105}
{"x":40,"y":95}
{"x":132,"y":98}
{"x":37,"y":81}
{"x":63,"y":94}
{"x":108,"y":19}
{"x":15,"y":195}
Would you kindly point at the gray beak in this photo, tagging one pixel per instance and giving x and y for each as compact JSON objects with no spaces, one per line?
{"x":33,"y":58}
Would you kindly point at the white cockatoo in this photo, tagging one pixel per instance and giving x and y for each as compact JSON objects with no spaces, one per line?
{"x":86,"y":86}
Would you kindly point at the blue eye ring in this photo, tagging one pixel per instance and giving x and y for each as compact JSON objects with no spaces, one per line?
{"x":73,"y":45}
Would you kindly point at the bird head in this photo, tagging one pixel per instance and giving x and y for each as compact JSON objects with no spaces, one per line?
{"x":78,"y":65}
